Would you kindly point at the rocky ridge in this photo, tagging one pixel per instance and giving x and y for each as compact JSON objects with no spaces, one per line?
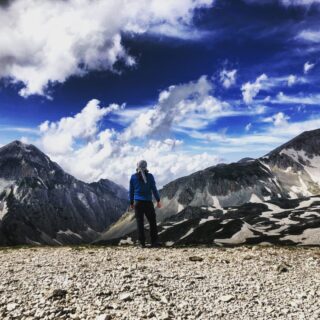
{"x":42,"y":204}
{"x":273,"y":198}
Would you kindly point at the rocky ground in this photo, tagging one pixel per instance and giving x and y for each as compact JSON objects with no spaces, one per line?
{"x":164,"y":283}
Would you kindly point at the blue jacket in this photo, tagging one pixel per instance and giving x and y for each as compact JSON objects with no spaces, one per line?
{"x":139,"y":190}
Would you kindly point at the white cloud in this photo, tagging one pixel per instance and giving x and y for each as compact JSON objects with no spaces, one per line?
{"x":45,"y":42}
{"x":292,"y":79}
{"x":107,"y":157}
{"x":166,"y":159}
{"x":257,"y":143}
{"x":26,"y":130}
{"x":307,"y":67}
{"x":184,"y":106}
{"x":310,"y":35}
{"x":299,"y":2}
{"x":248,"y":126}
{"x":292,"y":129}
{"x":228,"y":78}
{"x":59,"y":137}
{"x":251,"y":89}
{"x":279,"y":119}
{"x":297,"y":99}
{"x":286,"y":3}
{"x":79,"y":145}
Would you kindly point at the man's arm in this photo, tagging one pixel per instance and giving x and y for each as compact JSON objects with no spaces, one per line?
{"x":155,"y":190}
{"x":131,"y":192}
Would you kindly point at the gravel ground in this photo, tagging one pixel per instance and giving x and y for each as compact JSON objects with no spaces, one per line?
{"x":161,"y":283}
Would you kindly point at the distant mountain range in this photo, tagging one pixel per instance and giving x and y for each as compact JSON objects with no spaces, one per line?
{"x":42,"y":204}
{"x":272,"y":199}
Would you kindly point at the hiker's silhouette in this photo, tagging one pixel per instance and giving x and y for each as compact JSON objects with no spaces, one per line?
{"x":142,"y":186}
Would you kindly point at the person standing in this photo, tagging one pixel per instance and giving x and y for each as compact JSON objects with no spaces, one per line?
{"x":142,"y":186}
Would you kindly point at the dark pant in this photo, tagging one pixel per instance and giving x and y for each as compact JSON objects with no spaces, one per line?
{"x":146,"y":208}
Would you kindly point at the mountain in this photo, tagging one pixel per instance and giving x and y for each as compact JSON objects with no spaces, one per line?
{"x":255,"y":200}
{"x":42,"y":204}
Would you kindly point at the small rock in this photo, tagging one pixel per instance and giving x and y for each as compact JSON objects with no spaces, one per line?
{"x":11,"y":306}
{"x":125,"y":296}
{"x":199,"y":277}
{"x":57,"y":294}
{"x":104,"y":293}
{"x":195,"y":258}
{"x":282,"y":268}
{"x":269,"y":310}
{"x":227,"y":298}
{"x":103,"y":317}
{"x":165,"y":299}
{"x":165,"y":316}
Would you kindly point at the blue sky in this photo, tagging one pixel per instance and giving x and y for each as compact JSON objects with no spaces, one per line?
{"x":185,"y":84}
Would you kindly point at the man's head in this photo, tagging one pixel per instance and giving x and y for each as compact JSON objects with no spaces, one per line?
{"x":142,"y":165}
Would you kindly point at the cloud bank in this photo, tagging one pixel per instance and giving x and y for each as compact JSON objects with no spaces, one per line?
{"x":44,"y":42}
{"x":85,"y":150}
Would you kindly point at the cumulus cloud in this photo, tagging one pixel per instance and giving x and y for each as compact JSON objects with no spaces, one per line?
{"x":104,"y":158}
{"x":59,"y":137}
{"x":85,"y":150}
{"x":251,"y":89}
{"x":307,"y":67}
{"x":44,"y":42}
{"x":184,"y":106}
{"x":228,"y":77}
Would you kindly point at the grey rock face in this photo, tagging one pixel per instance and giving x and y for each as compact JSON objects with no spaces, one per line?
{"x":40,"y":203}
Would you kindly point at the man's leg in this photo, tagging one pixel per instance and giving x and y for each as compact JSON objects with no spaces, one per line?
{"x":151,"y":216}
{"x":138,"y":208}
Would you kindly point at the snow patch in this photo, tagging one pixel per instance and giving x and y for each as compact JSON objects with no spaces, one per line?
{"x":188,"y":233}
{"x":3,"y":209}
{"x":83,"y":199}
{"x":180,"y":207}
{"x":216,"y":202}
{"x":309,"y":214}
{"x":68,"y":232}
{"x":254,"y":198}
{"x":240,"y":236}
{"x":308,"y":237}
{"x":5,"y":184}
{"x":126,"y":241}
{"x":210,"y":218}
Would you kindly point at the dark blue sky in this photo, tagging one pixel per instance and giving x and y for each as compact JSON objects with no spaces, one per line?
{"x":254,"y":39}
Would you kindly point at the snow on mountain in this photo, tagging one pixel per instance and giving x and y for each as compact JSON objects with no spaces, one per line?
{"x":212,"y":205}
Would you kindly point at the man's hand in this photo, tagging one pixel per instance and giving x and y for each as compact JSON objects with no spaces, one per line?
{"x":159,"y":205}
{"x":131,"y":206}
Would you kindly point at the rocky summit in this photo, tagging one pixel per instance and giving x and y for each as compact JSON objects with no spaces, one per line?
{"x":42,"y":204}
{"x":130,"y":283}
{"x":273,"y":199}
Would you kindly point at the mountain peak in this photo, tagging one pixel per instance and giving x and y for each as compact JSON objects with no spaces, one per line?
{"x":18,"y":159}
{"x":307,"y":141}
{"x":19,"y":146}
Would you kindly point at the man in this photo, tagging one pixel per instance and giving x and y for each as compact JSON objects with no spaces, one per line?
{"x":142,"y":186}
